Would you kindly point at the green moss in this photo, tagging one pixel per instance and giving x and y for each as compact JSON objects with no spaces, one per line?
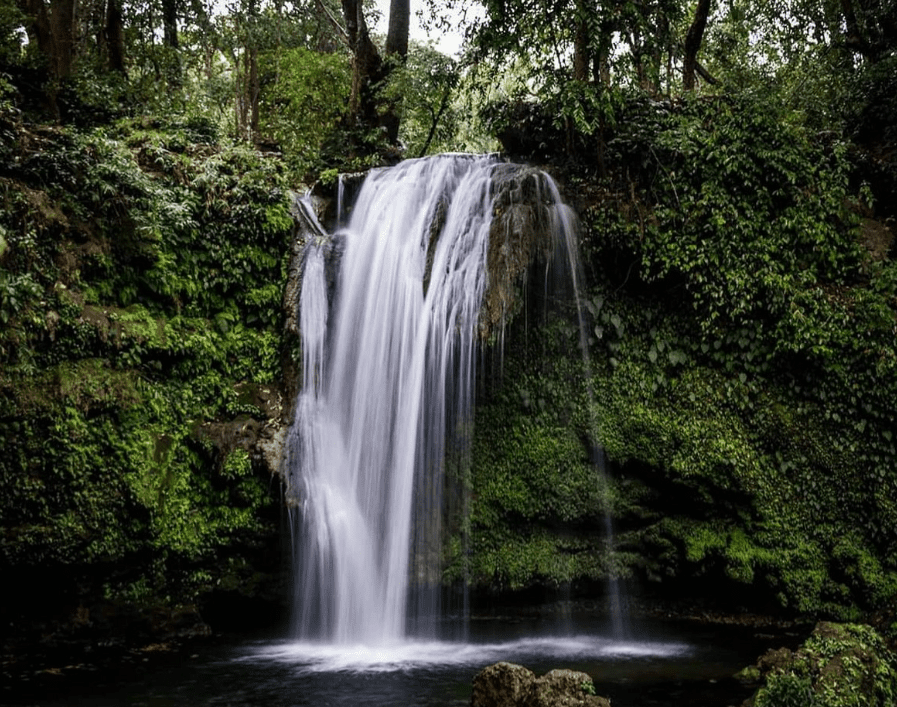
{"x":715,"y":474}
{"x":538,"y":472}
{"x":749,"y":674}
{"x":158,"y":277}
{"x":538,"y":501}
{"x":840,"y":665}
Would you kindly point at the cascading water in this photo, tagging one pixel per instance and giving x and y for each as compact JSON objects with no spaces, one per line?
{"x":389,"y":364}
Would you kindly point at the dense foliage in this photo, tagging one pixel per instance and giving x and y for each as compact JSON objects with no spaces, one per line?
{"x":774,"y":318}
{"x":735,"y":189}
{"x":742,"y":345}
{"x":839,"y":665}
{"x":142,"y":282}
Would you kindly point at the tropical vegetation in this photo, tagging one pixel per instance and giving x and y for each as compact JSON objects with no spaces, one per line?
{"x":733,"y":166}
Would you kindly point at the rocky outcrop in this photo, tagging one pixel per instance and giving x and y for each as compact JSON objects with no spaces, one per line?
{"x":523,"y":232}
{"x":509,"y":685}
{"x":501,"y":685}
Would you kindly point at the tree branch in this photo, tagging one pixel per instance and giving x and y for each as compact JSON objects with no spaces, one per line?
{"x":704,"y":74}
{"x":693,"y":43}
{"x":340,"y":30}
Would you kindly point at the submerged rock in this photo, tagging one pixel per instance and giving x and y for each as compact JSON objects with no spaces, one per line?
{"x":509,"y":685}
{"x":839,"y":665}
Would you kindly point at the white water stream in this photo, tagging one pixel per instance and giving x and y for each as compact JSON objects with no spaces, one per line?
{"x":389,"y":367}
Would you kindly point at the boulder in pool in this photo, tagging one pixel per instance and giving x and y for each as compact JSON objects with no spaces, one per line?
{"x":510,"y":685}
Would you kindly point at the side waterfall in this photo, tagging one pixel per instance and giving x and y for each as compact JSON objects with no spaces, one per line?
{"x":389,"y":359}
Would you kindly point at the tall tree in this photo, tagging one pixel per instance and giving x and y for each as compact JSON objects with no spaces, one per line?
{"x":399,"y":25}
{"x":370,"y":70}
{"x":53,"y":27}
{"x":172,"y":44}
{"x":115,"y":36}
{"x":170,"y":23}
{"x":693,"y":40}
{"x":367,"y":69}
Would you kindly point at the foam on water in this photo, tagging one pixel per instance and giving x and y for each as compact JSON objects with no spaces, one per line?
{"x":411,"y":655}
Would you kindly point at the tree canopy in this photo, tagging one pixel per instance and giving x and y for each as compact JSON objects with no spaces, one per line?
{"x":256,"y":65}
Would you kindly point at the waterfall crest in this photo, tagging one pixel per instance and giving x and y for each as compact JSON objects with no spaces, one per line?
{"x":389,"y":367}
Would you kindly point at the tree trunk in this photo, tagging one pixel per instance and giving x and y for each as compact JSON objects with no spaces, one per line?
{"x":855,"y":39}
{"x":435,"y":122}
{"x":254,"y":91}
{"x":661,"y":42}
{"x":369,"y":70}
{"x":399,"y":23}
{"x":115,"y":36}
{"x":693,"y":40}
{"x":170,"y":23}
{"x":601,"y":69}
{"x":367,"y":67}
{"x":171,"y":42}
{"x":396,"y":53}
{"x":581,"y":53}
{"x":54,"y":28}
{"x":63,"y":20}
{"x":238,"y":112}
{"x":243,"y":99}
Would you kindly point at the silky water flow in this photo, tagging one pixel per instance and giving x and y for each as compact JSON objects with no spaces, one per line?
{"x":389,"y":312}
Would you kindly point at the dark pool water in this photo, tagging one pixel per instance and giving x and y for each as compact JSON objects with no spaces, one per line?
{"x":659,"y":665}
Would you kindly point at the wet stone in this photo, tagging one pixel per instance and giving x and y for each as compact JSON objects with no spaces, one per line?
{"x":501,"y":685}
{"x":510,"y":685}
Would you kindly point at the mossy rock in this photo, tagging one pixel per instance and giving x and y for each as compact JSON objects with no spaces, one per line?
{"x":510,"y":685}
{"x":839,"y":665}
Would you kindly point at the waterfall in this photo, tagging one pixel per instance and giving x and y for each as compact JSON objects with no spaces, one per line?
{"x":388,"y":372}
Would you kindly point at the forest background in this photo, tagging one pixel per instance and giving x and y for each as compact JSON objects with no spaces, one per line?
{"x":734,"y":167}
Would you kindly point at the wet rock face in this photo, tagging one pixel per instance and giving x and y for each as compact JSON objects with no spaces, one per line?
{"x":775,"y":659}
{"x":521,"y":234}
{"x":510,"y":685}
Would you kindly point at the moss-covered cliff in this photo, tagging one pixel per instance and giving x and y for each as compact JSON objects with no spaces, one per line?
{"x":142,"y":269}
{"x":741,"y":319}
